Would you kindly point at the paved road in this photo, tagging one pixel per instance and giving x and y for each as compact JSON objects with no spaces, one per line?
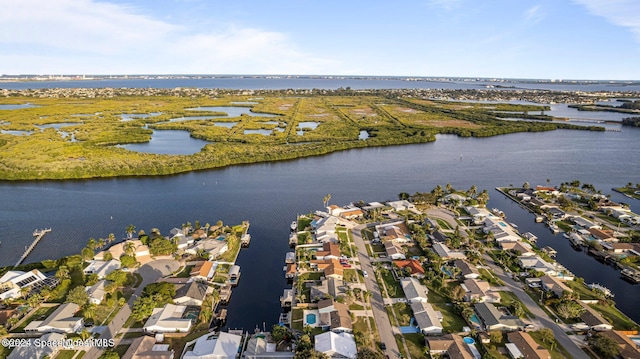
{"x":150,"y":272}
{"x":541,"y":319}
{"x":377,"y":304}
{"x":447,"y":216}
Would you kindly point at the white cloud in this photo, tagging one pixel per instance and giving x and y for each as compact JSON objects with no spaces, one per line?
{"x":625,"y":13}
{"x":533,"y":15}
{"x":87,"y":36}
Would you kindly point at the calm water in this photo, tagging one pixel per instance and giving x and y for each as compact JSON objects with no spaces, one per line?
{"x":270,"y":195}
{"x":168,"y":142}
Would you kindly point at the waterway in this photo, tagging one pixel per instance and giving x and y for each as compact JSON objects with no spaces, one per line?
{"x":270,"y":195}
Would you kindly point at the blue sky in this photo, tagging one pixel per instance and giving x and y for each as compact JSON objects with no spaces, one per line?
{"x":553,"y":39}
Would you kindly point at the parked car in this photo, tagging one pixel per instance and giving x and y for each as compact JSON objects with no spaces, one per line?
{"x":364,"y":273}
{"x":383,"y":346}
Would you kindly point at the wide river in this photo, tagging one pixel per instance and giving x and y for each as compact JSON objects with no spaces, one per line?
{"x":270,"y":195}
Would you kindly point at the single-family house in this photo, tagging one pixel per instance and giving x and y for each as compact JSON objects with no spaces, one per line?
{"x":215,"y":346}
{"x":444,"y":252}
{"x":628,"y":348}
{"x":38,"y":351}
{"x":467,"y":270}
{"x":554,"y":285}
{"x":12,"y":282}
{"x":102,"y":268}
{"x":396,"y":231}
{"x":538,"y":264}
{"x":132,"y":246}
{"x":213,"y":246}
{"x":520,"y":249}
{"x":527,"y":346}
{"x":478,"y":214}
{"x":325,"y":229}
{"x":168,"y":319}
{"x":584,"y":223}
{"x":477,"y":290}
{"x":413,"y":266}
{"x":62,"y":320}
{"x":451,"y":344}
{"x":593,"y":319}
{"x":145,"y":347}
{"x":328,"y":288}
{"x":493,"y":319}
{"x":329,"y":251}
{"x":336,"y":345}
{"x":427,"y":318}
{"x":191,"y":293}
{"x":290,"y":271}
{"x":414,"y":291}
{"x":394,"y":251}
{"x":621,"y":248}
{"x":334,"y":316}
{"x":352,"y":213}
{"x":330,"y":268}
{"x":402,"y":205}
{"x":203,"y":271}
{"x":96,"y":292}
{"x":605,"y":235}
{"x":501,"y":230}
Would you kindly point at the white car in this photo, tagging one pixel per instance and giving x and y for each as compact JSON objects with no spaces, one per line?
{"x":364,"y":273}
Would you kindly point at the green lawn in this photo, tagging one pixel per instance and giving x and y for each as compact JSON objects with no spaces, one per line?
{"x":350,"y":275}
{"x":65,"y":354}
{"x":394,"y":289}
{"x":558,"y":352}
{"x":40,"y":314}
{"x":303,"y":222}
{"x":490,"y":277}
{"x":185,"y":273}
{"x":443,"y":224}
{"x":310,"y":276}
{"x":403,"y":313}
{"x":507,"y":298}
{"x":416,"y":345}
{"x":452,"y":322}
{"x":616,"y":317}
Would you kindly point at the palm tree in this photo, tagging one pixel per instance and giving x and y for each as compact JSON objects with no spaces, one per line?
{"x":448,"y":188}
{"x":326,"y":199}
{"x":130,"y":249}
{"x":85,"y":334}
{"x":63,"y":272}
{"x":472,"y":191}
{"x":34,"y":300}
{"x":130,"y":230}
{"x":92,"y":243}
{"x":112,"y":237}
{"x":101,"y":242}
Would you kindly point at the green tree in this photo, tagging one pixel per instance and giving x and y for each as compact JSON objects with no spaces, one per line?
{"x":34,"y":300}
{"x":569,"y":309}
{"x":62,"y":272}
{"x":495,"y":336}
{"x":547,"y":335}
{"x":604,"y":346}
{"x":162,"y":291}
{"x":131,"y":229}
{"x":109,"y":354}
{"x":142,"y":308}
{"x":128,"y":261}
{"x":78,"y":295}
{"x":87,"y":253}
{"x":119,"y":277}
{"x":368,"y":353}
{"x":280,"y":333}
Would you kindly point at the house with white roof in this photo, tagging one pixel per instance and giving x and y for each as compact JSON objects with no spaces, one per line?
{"x":402,"y":205}
{"x":427,"y":319}
{"x":538,"y":264}
{"x":444,"y":252}
{"x":215,"y":346}
{"x":501,"y":230}
{"x":414,"y":291}
{"x":478,"y":214}
{"x":102,"y":268}
{"x":394,"y":251}
{"x":168,"y":319}
{"x":212,"y":246}
{"x":96,"y":292}
{"x":325,"y":229}
{"x":336,"y":345}
{"x":62,"y":320}
{"x":13,"y":281}
{"x":38,"y":351}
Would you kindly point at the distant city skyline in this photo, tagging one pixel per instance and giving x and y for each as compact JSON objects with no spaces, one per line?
{"x":536,"y":39}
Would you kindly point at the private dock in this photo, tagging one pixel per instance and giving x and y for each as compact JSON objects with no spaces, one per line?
{"x":38,"y":233}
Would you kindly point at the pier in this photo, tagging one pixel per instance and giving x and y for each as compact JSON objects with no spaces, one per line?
{"x":38,"y":233}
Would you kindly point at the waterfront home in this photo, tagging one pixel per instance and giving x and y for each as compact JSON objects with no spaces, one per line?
{"x":502,"y":232}
{"x":146,"y":347}
{"x":336,"y":345}
{"x":493,"y":319}
{"x":215,"y":346}
{"x":168,"y":319}
{"x":213,"y":246}
{"x":329,"y":251}
{"x":593,"y":319}
{"x":467,"y":270}
{"x":184,"y":242}
{"x":605,"y":235}
{"x":413,"y":266}
{"x":191,"y":293}
{"x":101,"y":268}
{"x":286,"y":299}
{"x":334,"y":316}
{"x":328,"y":288}
{"x":203,"y":270}
{"x":96,"y":292}
{"x":546,"y":189}
{"x":62,"y":320}
{"x":454,"y":198}
{"x":394,"y":251}
{"x":477,"y":290}
{"x":621,"y":248}
{"x":290,"y":271}
{"x":427,"y":319}
{"x":555,"y":212}
{"x":451,"y":344}
{"x":290,"y":257}
{"x":629,"y":349}
{"x":331,"y":268}
{"x":38,"y":351}
{"x":12,"y":282}
{"x":478,"y":214}
{"x":352,"y":213}
{"x":523,"y":346}
{"x":325,"y":229}
{"x":262,"y":346}
{"x":520,"y":249}
{"x":554,"y":285}
{"x":538,"y":264}
{"x":444,"y":252}
{"x":414,"y":291}
{"x":584,"y":223}
{"x":402,"y":205}
{"x":140,"y":251}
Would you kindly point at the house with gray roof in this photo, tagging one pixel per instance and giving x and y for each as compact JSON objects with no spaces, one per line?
{"x":493,"y":319}
{"x":168,"y":319}
{"x":427,"y":319}
{"x":414,"y":291}
{"x":38,"y":351}
{"x":62,"y":320}
{"x":191,"y":293}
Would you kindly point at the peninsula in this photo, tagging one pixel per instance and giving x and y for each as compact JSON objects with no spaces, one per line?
{"x":80,"y":133}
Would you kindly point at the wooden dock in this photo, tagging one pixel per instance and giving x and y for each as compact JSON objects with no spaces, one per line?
{"x":38,"y":233}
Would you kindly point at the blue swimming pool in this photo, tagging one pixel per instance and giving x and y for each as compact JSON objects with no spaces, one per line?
{"x":469,"y":340}
{"x":221,"y":238}
{"x":311,"y":318}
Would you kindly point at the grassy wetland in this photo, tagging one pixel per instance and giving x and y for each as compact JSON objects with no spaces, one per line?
{"x":74,"y":134}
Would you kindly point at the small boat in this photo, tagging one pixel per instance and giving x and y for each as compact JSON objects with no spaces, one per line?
{"x":294,"y":225}
{"x":565,"y":235}
{"x":513,"y":225}
{"x":597,"y":287}
{"x":539,"y":219}
{"x":631,"y":275}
